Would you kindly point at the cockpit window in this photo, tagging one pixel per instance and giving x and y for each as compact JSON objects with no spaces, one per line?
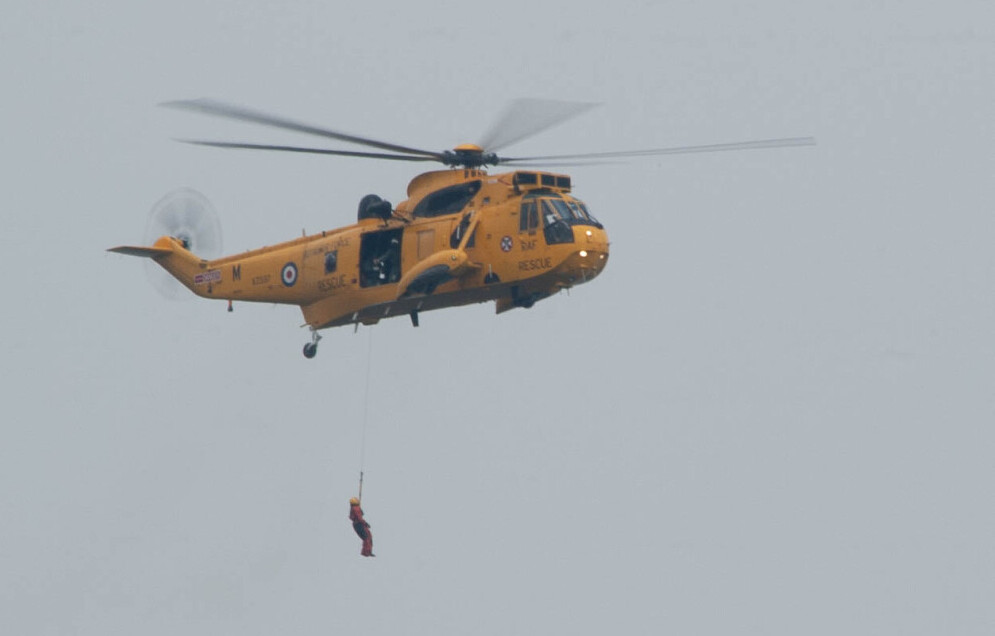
{"x":549,"y":215}
{"x":565,"y":211}
{"x":572,"y":212}
{"x":528,"y":217}
{"x":555,"y":207}
{"x":555,"y":228}
{"x":588,"y":214}
{"x":578,"y":210}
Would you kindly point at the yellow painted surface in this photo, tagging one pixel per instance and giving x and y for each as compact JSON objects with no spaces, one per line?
{"x":295,"y":272}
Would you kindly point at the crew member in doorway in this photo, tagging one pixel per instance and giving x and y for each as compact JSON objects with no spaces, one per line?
{"x":384,"y":264}
{"x":361,"y":527}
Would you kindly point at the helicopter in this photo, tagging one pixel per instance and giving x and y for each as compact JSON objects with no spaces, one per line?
{"x":462,"y":236}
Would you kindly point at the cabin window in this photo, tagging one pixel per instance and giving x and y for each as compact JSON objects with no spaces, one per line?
{"x":447,"y":200}
{"x":331,"y":261}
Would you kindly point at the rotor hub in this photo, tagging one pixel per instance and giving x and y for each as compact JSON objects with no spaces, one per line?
{"x":469,"y":156}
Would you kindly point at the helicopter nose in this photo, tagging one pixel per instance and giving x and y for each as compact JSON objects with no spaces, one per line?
{"x":592,"y":255}
{"x":593,"y":239}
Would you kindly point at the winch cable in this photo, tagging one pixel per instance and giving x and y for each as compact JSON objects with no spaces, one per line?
{"x":366,"y":414}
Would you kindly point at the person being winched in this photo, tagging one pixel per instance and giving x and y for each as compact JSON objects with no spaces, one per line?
{"x":361,"y":527}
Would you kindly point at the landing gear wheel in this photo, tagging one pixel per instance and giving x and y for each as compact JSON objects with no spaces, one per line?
{"x":311,"y":348}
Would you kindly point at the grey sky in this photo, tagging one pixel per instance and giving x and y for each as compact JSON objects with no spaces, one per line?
{"x":772,"y":414}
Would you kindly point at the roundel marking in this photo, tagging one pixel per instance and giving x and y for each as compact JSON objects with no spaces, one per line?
{"x":289,"y":274}
{"x":506,"y":244}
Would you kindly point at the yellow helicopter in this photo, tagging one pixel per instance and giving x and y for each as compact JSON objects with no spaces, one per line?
{"x":462,"y":236}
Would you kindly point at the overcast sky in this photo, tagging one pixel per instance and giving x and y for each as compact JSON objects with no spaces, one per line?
{"x":771,"y":414}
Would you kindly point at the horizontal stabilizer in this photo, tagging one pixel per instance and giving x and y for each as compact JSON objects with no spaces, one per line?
{"x":149,"y":252}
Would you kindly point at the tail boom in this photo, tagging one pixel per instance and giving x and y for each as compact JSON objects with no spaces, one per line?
{"x":182,"y":264}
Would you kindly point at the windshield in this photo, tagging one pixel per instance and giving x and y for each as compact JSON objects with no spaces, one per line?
{"x":569,"y":212}
{"x":583,"y":208}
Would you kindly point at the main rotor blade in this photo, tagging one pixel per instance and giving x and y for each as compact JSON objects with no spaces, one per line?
{"x":229,"y":111}
{"x":527,"y":117}
{"x":557,"y":164}
{"x":742,"y":145}
{"x":317,"y":151}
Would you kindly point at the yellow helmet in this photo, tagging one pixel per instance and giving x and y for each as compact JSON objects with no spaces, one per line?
{"x":354,"y":501}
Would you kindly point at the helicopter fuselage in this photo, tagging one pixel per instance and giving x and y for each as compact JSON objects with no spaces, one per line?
{"x":462,"y":236}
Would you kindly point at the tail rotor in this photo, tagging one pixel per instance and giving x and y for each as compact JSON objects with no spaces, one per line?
{"x":188,"y":216}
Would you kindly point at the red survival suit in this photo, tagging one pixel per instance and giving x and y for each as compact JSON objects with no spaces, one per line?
{"x":361,"y":527}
